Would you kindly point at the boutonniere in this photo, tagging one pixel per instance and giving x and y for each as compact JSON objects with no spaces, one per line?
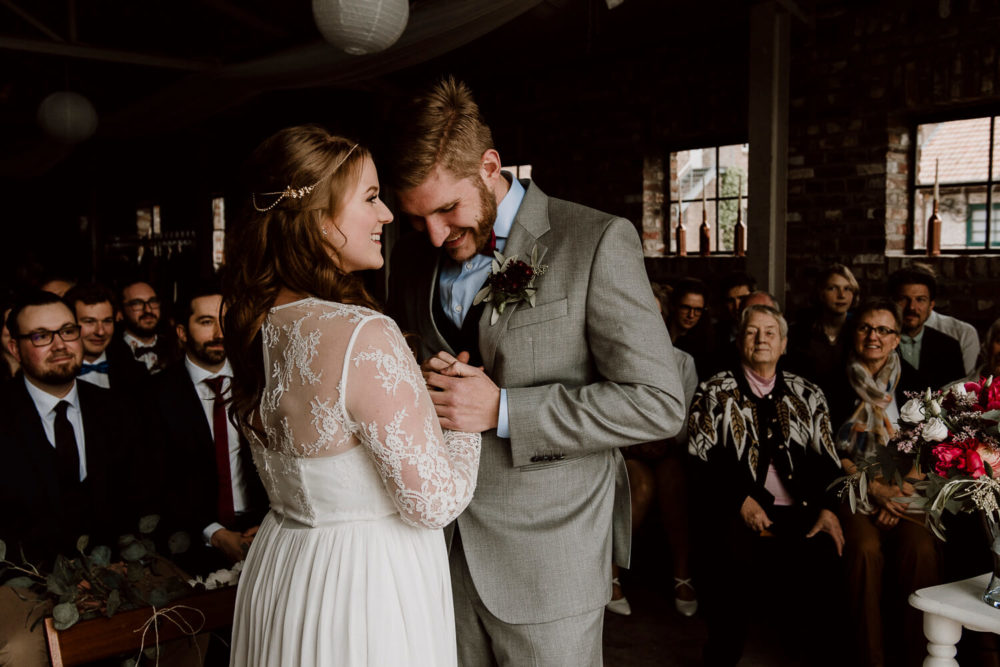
{"x":511,"y":281}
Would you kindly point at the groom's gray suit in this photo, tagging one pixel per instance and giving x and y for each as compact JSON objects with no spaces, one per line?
{"x":589,"y":369}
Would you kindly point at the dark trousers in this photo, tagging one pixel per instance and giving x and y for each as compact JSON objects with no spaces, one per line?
{"x":784,"y":580}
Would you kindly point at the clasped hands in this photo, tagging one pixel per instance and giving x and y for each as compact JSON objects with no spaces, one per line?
{"x":232,"y":543}
{"x":883,"y":495}
{"x":464,"y":396}
{"x":756,"y":519}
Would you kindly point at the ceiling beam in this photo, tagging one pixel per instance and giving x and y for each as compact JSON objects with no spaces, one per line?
{"x":51,"y":34}
{"x":106,"y":55}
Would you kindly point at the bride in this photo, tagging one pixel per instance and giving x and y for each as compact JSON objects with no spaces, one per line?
{"x":349,"y":567}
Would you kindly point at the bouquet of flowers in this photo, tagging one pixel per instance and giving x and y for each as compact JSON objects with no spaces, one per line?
{"x":952,"y":437}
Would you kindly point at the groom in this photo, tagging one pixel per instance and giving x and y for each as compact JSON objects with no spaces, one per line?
{"x":587,"y":369}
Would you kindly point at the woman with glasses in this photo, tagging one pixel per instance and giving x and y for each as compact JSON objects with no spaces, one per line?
{"x":687,"y":320}
{"x":886,"y":531}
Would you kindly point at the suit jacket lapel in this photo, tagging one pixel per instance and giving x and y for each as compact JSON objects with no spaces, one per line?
{"x":530,"y":223}
{"x":33,"y":438}
{"x":427,"y":308}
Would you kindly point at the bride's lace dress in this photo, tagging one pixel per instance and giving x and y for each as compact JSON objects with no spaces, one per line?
{"x":349,"y":566}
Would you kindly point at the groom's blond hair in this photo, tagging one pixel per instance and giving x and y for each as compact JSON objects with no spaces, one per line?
{"x":443,"y":126}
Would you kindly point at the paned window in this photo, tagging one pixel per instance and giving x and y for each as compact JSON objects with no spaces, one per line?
{"x":710,"y":181}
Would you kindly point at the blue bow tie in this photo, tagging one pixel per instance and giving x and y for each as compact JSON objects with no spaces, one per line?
{"x":94,"y":368}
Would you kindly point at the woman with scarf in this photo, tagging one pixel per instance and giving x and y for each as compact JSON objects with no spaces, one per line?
{"x":765,"y":456}
{"x":886,"y":531}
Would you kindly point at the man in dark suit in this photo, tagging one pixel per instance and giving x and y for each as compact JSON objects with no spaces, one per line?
{"x":65,"y":470}
{"x":214,"y":493}
{"x":142,"y":337}
{"x":929,"y":358}
{"x":113,"y":368}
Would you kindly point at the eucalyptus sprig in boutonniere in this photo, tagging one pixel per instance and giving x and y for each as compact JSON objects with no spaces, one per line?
{"x":511,"y":281}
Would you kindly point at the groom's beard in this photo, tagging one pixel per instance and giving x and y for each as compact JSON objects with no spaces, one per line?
{"x":487,"y":215}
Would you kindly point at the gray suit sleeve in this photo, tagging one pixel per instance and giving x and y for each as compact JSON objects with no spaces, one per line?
{"x":638,"y":398}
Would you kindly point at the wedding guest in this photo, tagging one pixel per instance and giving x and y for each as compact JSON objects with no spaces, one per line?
{"x":990,"y":355}
{"x":65,"y":469}
{"x":688,"y":322}
{"x":963,"y":332}
{"x":557,"y":387}
{"x":657,"y":471}
{"x":819,"y":344}
{"x":214,"y":493}
{"x":765,"y":457}
{"x":142,"y":338}
{"x":733,"y":290}
{"x":58,"y":284}
{"x":929,"y":358}
{"x":882,"y":623}
{"x":94,"y":309}
{"x":10,"y":365}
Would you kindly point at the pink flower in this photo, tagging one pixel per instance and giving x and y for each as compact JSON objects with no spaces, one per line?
{"x":991,"y":457}
{"x":987,"y":392}
{"x":961,"y":457}
{"x":946,"y":458}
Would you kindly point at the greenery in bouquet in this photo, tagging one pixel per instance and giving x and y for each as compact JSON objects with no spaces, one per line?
{"x":950,"y":440}
{"x":90,"y":584}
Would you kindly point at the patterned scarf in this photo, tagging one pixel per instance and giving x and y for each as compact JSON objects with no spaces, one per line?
{"x":868,"y":425}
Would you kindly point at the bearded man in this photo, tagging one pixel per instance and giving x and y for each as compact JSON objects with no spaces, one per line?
{"x":212,"y":490}
{"x":141,"y":337}
{"x":65,"y":470}
{"x":569,"y":372}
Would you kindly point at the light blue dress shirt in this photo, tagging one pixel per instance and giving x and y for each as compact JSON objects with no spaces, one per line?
{"x":459,"y":283}
{"x":909,"y":347}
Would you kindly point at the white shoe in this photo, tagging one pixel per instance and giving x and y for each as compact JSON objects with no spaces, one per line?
{"x":621,"y":605}
{"x":685,"y":607}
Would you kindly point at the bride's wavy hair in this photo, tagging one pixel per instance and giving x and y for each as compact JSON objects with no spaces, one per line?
{"x":294,"y":181}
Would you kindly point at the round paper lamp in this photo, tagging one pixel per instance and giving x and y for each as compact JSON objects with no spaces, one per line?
{"x":67,"y":116}
{"x":361,"y":26}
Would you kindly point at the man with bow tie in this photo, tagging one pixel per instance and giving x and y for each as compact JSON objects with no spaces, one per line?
{"x":213,"y":491}
{"x":142,"y":337}
{"x":95,"y":313}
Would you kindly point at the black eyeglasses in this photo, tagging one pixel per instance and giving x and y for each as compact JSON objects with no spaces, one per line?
{"x":692,"y":309}
{"x":44,"y":337}
{"x":865,"y":329}
{"x":139,"y":304}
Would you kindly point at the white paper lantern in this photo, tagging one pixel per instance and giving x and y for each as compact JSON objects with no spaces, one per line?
{"x":67,"y":116}
{"x":361,"y":26}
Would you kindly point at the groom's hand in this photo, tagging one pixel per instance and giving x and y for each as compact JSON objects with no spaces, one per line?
{"x":465,"y":398}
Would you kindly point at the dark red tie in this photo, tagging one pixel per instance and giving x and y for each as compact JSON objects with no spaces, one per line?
{"x":490,"y":246}
{"x":220,"y":427}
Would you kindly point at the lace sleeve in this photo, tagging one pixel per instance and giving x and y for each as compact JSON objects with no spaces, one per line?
{"x":430,"y":475}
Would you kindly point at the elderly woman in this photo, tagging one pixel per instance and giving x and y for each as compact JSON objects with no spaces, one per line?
{"x":873,"y":373}
{"x":766,"y":450}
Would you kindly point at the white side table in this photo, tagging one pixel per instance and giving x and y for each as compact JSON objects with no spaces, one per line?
{"x":947,"y":609}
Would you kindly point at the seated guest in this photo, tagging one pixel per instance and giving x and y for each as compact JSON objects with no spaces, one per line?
{"x":64,"y":468}
{"x":141,"y":338}
{"x":963,"y":332}
{"x":765,"y":453}
{"x":10,"y":365}
{"x":656,"y":470}
{"x":990,"y":355}
{"x":687,"y":321}
{"x":96,"y":316}
{"x":874,"y":372}
{"x":929,"y":357}
{"x":57,"y":284}
{"x":820,"y":343}
{"x":214,"y":491}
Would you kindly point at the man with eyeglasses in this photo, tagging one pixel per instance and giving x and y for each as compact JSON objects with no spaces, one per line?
{"x":929,"y":358}
{"x":141,"y":337}
{"x":104,"y":366}
{"x":64,"y":469}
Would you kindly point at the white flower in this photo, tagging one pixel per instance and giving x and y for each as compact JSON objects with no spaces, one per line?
{"x":220,"y":578}
{"x":934,"y":430}
{"x":913,"y":411}
{"x":958,"y":390}
{"x":935,"y":408}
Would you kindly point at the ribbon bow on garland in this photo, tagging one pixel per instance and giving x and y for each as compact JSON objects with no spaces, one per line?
{"x":511,"y":281}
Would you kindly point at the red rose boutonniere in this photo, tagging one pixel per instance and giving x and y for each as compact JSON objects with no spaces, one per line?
{"x":511,"y":281}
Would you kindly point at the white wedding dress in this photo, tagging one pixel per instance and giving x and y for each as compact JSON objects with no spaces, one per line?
{"x":349,"y":567}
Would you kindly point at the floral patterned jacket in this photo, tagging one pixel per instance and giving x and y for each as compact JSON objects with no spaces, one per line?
{"x":739,"y":435}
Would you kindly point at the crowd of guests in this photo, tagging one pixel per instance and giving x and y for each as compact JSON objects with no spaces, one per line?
{"x":781,"y":411}
{"x":111,"y":410}
{"x":747,"y":495}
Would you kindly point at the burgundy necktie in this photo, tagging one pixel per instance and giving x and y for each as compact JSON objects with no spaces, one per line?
{"x":220,"y":427}
{"x":491,"y":245}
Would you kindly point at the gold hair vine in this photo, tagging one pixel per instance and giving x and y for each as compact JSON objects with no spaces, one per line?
{"x":295,"y":193}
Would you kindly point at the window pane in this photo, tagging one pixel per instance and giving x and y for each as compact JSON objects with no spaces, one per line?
{"x":959,"y":148}
{"x":996,"y":150}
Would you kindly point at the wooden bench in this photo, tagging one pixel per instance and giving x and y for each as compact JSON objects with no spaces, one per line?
{"x":99,"y":638}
